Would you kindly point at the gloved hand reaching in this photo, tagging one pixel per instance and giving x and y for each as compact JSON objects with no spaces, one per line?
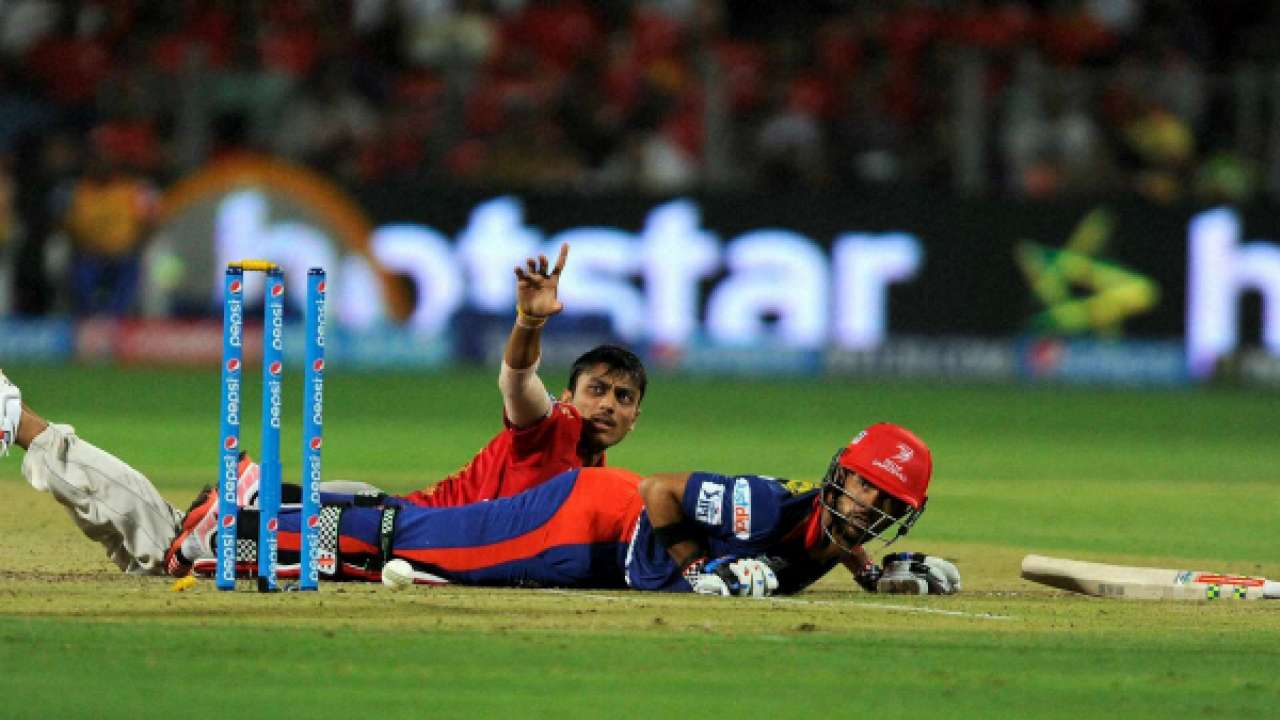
{"x":728,"y":575}
{"x":914,"y":573}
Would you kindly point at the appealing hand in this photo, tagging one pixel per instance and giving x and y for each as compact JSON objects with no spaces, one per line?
{"x":537,"y":286}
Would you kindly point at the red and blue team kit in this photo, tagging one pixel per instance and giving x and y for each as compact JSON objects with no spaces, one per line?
{"x":584,"y":528}
{"x":522,"y":513}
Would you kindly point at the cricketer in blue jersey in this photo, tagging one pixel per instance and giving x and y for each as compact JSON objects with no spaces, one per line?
{"x":688,"y":532}
{"x":744,"y":516}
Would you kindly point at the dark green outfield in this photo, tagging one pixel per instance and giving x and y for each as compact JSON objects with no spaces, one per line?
{"x":1188,"y":479}
{"x":96,"y":670}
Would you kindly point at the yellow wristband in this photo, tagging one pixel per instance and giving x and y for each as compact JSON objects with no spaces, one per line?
{"x":529,"y":322}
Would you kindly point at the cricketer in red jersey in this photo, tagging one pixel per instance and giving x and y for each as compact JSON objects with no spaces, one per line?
{"x":543,"y":437}
{"x":120,"y":508}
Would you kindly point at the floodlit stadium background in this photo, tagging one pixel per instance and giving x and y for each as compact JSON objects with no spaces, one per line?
{"x":996,"y":191}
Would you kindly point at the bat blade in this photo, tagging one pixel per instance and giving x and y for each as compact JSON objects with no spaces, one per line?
{"x":1143,"y":583}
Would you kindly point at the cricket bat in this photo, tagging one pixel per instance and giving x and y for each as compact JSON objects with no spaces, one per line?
{"x":1141,"y":583}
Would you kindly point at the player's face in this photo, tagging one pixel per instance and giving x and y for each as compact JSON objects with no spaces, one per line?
{"x":867,"y":507}
{"x":609,"y":402}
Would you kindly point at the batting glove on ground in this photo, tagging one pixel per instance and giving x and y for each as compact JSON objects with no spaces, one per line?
{"x":918,"y":574}
{"x":731,"y":576}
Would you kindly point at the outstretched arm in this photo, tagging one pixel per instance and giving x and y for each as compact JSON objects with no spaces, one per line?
{"x":523,"y":394}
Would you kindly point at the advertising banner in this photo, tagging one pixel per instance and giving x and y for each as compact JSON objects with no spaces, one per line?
{"x":821,"y":281}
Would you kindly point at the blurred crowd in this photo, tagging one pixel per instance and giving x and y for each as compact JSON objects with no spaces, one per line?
{"x":105,"y":102}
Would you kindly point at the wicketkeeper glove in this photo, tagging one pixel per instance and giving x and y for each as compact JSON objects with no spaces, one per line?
{"x":732,"y":576}
{"x":918,"y":574}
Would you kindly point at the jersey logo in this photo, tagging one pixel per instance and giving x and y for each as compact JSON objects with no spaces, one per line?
{"x":742,"y":509}
{"x":893,"y":465}
{"x":798,"y":487}
{"x":710,"y":502}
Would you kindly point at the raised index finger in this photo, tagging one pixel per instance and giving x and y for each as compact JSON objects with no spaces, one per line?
{"x":564,"y":254}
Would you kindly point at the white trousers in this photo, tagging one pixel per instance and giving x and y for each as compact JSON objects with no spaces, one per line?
{"x":110,"y":502}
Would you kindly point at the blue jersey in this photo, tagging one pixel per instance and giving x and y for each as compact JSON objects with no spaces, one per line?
{"x":573,"y":531}
{"x":747,"y":516}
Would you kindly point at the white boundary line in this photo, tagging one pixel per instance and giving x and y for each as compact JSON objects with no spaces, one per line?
{"x":801,"y":601}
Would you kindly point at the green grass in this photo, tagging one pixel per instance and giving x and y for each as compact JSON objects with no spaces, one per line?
{"x":1189,"y":479}
{"x":425,"y":673}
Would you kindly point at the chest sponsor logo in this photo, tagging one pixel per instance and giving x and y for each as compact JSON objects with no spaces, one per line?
{"x":742,"y":509}
{"x":710,"y":502}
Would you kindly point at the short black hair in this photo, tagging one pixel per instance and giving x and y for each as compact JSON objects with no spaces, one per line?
{"x":617,"y":358}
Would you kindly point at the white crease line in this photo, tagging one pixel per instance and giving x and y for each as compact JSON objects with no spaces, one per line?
{"x":589,"y":596}
{"x":801,"y":601}
{"x":898,"y":608}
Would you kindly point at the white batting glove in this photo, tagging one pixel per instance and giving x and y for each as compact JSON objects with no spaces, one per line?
{"x":731,"y":576}
{"x":918,"y":574}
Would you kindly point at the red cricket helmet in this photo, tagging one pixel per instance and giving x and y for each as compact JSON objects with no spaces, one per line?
{"x":891,"y":458}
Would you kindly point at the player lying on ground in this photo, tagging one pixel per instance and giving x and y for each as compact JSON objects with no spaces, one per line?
{"x":608,"y":528}
{"x":583,"y":528}
{"x":118,"y":507}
